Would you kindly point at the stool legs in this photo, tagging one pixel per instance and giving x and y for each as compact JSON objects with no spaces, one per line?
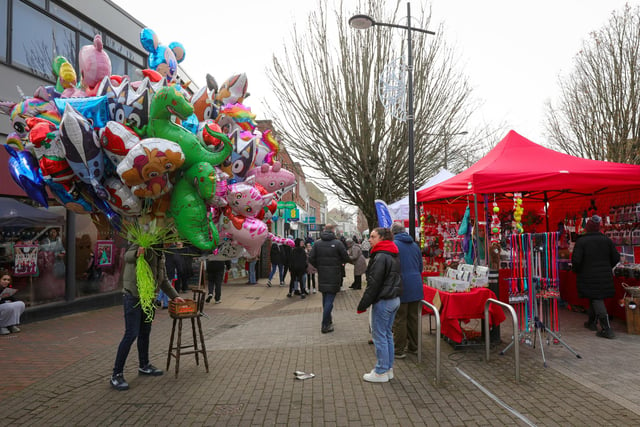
{"x":176,"y":351}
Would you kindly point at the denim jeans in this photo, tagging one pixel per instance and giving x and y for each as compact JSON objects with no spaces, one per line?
{"x":252,"y":271}
{"x":275,"y":267}
{"x":383,"y":313}
{"x":327,"y":308}
{"x":135,"y":326}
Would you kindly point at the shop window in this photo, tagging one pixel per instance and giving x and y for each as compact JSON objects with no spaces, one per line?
{"x":37,"y":39}
{"x":72,"y":20}
{"x":3,"y":30}
{"x":118,"y":66}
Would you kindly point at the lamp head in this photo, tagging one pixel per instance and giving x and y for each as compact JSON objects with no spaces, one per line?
{"x":361,"y":22}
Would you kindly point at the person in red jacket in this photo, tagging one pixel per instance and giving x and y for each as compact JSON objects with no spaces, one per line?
{"x":384,"y":287}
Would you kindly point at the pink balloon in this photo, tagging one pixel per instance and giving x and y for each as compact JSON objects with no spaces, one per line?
{"x":249,"y":233}
{"x":94,"y":65}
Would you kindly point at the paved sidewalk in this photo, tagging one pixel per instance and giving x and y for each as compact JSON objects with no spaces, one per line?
{"x":56,"y":372}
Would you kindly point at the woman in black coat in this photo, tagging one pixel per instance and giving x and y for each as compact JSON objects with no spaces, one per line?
{"x":276,"y":262}
{"x":297,"y":267}
{"x":593,"y":259}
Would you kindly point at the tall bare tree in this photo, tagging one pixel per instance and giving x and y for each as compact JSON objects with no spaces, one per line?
{"x":597,"y":115}
{"x":330,"y":115}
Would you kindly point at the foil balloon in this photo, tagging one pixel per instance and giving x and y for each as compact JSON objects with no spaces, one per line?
{"x":101,"y":205}
{"x":94,"y":109}
{"x":24,"y":170}
{"x":192,"y":219}
{"x":65,"y":74}
{"x":268,"y":147}
{"x":116,"y":93}
{"x":245,"y":199}
{"x":228,"y":250}
{"x":207,"y":137}
{"x":238,"y":164}
{"x":117,"y":140}
{"x":82,"y":149}
{"x":163,"y":59}
{"x":147,"y":166}
{"x":121,"y":199}
{"x":191,"y":124}
{"x":137,"y":107}
{"x":233,"y":90}
{"x":203,"y":100}
{"x":69,"y":197}
{"x":249,"y":233}
{"x":94,"y":65}
{"x":272,"y":177}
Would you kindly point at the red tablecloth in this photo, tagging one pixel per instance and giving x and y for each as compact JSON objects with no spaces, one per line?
{"x":462,"y":306}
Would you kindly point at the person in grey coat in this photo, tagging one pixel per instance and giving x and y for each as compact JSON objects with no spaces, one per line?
{"x":594,"y":256}
{"x":135,"y":322}
{"x":358,"y":261}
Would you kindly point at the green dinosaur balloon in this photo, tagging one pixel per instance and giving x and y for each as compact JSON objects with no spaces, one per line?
{"x":167,"y":102}
{"x":198,"y":181}
{"x":189,"y":209}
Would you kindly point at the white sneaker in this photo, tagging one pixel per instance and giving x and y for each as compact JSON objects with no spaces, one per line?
{"x":314,"y":290}
{"x":390,"y":373}
{"x":374,"y":377}
{"x":4,"y":331}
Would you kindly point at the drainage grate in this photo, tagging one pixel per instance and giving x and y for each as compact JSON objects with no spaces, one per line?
{"x":228,"y":409}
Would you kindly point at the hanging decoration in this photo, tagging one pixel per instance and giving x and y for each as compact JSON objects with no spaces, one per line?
{"x":518,"y":210}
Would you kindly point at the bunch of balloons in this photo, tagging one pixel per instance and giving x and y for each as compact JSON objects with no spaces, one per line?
{"x":146,"y":149}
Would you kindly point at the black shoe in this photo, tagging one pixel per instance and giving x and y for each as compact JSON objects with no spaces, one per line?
{"x":303,"y":296}
{"x":150,"y":370}
{"x":118,"y":382}
{"x":591,"y":326}
{"x":327,"y":329}
{"x":209,"y":298}
{"x":289,"y":295}
{"x":606,"y":333}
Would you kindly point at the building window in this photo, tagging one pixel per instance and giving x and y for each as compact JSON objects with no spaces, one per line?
{"x":40,"y":40}
{"x":4,"y":19}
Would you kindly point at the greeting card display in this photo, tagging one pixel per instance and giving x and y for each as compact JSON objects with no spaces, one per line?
{"x":104,"y":253}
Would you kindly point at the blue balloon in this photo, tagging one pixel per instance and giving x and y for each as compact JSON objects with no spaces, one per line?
{"x":191,"y":124}
{"x":93,"y":108}
{"x":25,"y":171}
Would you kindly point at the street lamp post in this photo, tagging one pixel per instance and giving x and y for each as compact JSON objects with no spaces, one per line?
{"x":362,"y":22}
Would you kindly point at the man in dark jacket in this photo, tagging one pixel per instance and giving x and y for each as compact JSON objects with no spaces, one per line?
{"x":593,"y":259}
{"x":405,"y":325}
{"x":327,"y":255}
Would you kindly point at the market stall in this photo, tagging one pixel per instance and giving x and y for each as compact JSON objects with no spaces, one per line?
{"x":550,"y":191}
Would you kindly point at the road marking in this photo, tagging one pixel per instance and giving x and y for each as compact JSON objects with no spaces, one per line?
{"x":495,"y":398}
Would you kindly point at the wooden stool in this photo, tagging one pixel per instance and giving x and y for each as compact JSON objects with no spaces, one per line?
{"x":177,"y":350}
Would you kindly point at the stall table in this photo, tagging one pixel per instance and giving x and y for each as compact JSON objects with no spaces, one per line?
{"x":456,"y":307}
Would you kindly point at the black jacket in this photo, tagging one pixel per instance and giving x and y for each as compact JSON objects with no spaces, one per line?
{"x":593,"y":259}
{"x":298,"y":261}
{"x":327,"y":255}
{"x":274,"y":254}
{"x":285,"y":255}
{"x":384,"y":280}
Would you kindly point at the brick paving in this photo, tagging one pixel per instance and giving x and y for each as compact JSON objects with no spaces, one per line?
{"x":56,"y":373}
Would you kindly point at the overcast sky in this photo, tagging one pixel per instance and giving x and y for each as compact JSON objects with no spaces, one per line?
{"x":512,"y":51}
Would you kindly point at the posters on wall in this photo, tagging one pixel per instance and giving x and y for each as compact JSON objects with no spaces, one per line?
{"x":25,"y":260}
{"x":104,"y":253}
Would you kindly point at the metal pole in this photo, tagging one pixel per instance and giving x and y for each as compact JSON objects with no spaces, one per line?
{"x":412,"y":191}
